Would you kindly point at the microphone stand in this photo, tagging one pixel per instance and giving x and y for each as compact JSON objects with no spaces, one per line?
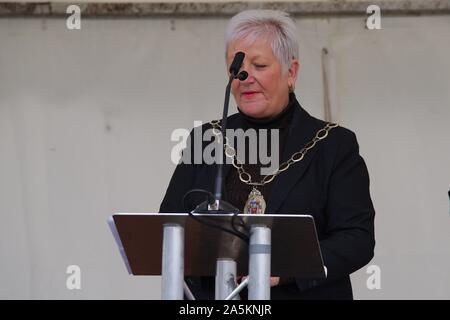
{"x":219,"y":205}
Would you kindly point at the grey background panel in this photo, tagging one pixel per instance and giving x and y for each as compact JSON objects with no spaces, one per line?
{"x":86,"y":118}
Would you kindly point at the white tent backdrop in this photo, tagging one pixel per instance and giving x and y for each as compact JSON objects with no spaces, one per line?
{"x":86,"y":118}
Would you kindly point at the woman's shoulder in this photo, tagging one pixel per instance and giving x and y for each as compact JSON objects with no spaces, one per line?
{"x":337,"y":133}
{"x":340,"y":141}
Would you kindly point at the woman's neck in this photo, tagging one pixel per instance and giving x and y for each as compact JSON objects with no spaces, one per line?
{"x":280,"y":120}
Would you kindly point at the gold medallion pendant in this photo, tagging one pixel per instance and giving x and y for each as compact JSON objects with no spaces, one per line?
{"x":255,"y":203}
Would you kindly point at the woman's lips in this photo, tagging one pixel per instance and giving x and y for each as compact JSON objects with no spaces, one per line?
{"x":249,"y":94}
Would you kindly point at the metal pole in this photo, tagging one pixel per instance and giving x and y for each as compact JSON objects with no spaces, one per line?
{"x":238,"y":289}
{"x":259,"y":263}
{"x":225,"y":278}
{"x":173,"y":262}
{"x":187,"y":292}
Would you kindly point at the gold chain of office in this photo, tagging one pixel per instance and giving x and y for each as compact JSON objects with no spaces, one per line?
{"x":296,"y":157}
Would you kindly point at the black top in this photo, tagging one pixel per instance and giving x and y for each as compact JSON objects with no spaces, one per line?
{"x":236,"y":191}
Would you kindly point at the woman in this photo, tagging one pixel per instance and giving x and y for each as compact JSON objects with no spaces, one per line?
{"x":328,"y":178}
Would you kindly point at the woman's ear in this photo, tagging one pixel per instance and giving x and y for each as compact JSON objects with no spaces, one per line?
{"x":293,"y":72}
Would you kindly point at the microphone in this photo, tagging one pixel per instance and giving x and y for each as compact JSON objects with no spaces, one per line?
{"x":237,"y":63}
{"x":218,"y":205}
{"x":234,"y":70}
{"x":242,"y":75}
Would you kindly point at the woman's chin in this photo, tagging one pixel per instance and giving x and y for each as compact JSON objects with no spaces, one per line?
{"x":253,"y":111}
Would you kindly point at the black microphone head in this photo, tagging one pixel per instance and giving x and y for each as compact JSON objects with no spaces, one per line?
{"x":237,"y":63}
{"x":242,"y":75}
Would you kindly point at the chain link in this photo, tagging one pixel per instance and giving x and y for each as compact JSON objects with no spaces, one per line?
{"x":245,"y":177}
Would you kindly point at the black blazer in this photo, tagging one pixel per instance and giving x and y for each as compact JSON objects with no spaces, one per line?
{"x":331,"y":183}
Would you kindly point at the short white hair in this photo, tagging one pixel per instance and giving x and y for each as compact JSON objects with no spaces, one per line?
{"x":276,"y":26}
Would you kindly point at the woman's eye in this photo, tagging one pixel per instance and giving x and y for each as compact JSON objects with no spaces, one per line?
{"x":260,"y":65}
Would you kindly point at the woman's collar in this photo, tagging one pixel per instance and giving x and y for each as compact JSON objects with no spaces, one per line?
{"x":281,"y":120}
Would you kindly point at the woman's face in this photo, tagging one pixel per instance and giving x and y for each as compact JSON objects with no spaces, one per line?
{"x":265,"y":92}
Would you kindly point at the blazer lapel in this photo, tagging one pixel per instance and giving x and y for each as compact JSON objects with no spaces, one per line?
{"x":301,"y":131}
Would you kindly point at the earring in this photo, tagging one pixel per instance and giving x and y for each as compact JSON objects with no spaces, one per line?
{"x":291,"y":88}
